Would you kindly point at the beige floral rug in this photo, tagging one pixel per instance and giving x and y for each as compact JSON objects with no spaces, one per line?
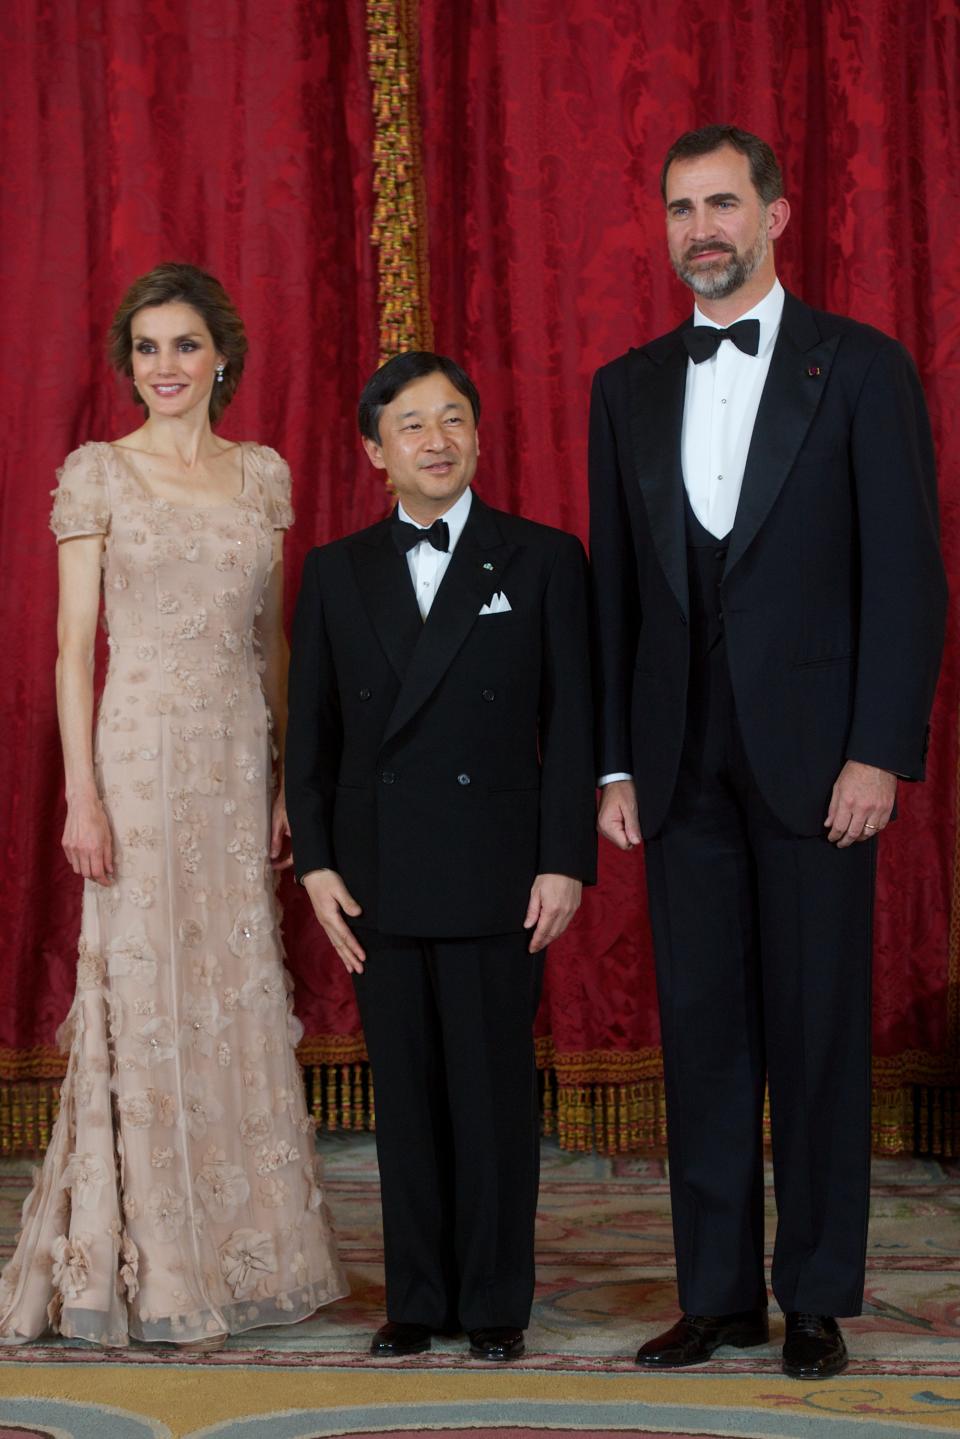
{"x":605,"y":1284}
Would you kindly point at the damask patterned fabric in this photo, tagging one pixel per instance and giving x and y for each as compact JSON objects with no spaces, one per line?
{"x":180,"y":1195}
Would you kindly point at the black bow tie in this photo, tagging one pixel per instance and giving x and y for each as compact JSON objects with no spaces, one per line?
{"x":406,"y":537}
{"x":702,"y":341}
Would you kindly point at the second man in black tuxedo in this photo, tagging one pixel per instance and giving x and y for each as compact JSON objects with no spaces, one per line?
{"x":440,"y":788}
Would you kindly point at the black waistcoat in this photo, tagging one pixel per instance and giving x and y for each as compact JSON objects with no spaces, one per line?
{"x":706,"y":557}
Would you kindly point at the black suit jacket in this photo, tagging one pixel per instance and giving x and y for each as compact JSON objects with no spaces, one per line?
{"x":833,"y":595}
{"x":439,"y":766}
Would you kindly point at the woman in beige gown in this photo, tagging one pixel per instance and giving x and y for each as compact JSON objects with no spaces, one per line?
{"x":180,"y":1198}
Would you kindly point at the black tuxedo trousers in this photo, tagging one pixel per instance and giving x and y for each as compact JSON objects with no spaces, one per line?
{"x":763,"y":941}
{"x":448,"y":1026}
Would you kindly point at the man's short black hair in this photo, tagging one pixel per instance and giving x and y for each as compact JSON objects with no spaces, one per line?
{"x":400,"y":371}
{"x":764,"y":170}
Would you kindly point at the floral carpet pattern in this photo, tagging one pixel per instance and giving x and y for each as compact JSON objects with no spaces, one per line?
{"x":605,"y":1270}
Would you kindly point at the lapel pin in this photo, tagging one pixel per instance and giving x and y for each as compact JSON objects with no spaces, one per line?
{"x":813,"y":371}
{"x":487,"y":565}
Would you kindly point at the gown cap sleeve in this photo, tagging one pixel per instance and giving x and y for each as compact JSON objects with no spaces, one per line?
{"x":276,"y":487}
{"x":81,"y":501}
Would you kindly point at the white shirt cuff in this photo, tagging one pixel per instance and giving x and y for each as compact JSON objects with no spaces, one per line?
{"x":609,"y":779}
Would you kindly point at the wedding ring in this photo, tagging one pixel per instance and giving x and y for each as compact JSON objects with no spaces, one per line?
{"x":869,"y":826}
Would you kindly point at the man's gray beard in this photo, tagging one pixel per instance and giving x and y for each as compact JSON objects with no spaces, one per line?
{"x":718,"y":284}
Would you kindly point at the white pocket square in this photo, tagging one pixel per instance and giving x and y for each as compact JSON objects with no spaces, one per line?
{"x":499,"y":605}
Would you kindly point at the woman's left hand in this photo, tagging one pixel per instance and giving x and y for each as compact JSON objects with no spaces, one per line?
{"x":279,"y":829}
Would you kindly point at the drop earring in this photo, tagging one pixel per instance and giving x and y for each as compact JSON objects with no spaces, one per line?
{"x":220,"y":370}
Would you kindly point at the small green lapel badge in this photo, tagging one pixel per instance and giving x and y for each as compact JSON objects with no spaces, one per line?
{"x":487,"y":565}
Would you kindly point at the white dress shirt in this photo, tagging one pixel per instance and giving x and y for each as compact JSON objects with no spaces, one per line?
{"x":719,"y":412}
{"x":427,"y":565}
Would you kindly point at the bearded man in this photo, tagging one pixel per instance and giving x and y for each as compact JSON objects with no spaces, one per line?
{"x":769,"y":605}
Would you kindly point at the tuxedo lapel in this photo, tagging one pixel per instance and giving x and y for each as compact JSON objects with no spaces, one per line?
{"x":473,"y":575}
{"x":383,"y":579}
{"x":798,"y":372}
{"x":657,"y":389}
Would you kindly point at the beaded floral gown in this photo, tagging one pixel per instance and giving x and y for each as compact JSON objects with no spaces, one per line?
{"x":180,"y":1195}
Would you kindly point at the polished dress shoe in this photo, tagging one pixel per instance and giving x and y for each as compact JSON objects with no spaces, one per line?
{"x":498,"y":1343}
{"x":395,"y":1341}
{"x":813,"y":1347}
{"x":695,"y":1336}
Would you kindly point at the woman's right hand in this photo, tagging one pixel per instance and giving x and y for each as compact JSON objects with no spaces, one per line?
{"x":87,"y":841}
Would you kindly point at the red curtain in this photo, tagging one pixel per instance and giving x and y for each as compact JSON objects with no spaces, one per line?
{"x":241,"y":138}
{"x":544,"y":130}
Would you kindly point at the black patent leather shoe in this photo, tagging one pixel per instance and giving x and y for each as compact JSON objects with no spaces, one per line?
{"x":813,"y":1347}
{"x":694,"y":1338}
{"x":498,"y":1343}
{"x":396,"y":1341}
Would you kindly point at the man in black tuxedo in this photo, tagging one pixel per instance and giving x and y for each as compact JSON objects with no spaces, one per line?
{"x":440,"y":788}
{"x":769,"y":603}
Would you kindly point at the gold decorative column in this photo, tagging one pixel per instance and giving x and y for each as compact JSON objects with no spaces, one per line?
{"x":399,"y":232}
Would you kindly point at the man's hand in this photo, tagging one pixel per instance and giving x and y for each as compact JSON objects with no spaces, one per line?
{"x":554,"y":900}
{"x":331,"y":900}
{"x":861,"y":803}
{"x":618,"y":819}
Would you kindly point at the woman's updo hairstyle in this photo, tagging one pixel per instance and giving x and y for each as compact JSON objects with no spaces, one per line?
{"x":166,"y":285}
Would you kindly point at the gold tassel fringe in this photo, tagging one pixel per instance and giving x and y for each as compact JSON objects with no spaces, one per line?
{"x":608,"y":1118}
{"x":340,"y":1096}
{"x":399,"y":232}
{"x":28,"y":1112}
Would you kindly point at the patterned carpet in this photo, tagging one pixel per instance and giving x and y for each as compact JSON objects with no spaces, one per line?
{"x":605,"y":1284}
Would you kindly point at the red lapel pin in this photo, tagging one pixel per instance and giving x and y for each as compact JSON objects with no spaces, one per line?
{"x":813,"y":371}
